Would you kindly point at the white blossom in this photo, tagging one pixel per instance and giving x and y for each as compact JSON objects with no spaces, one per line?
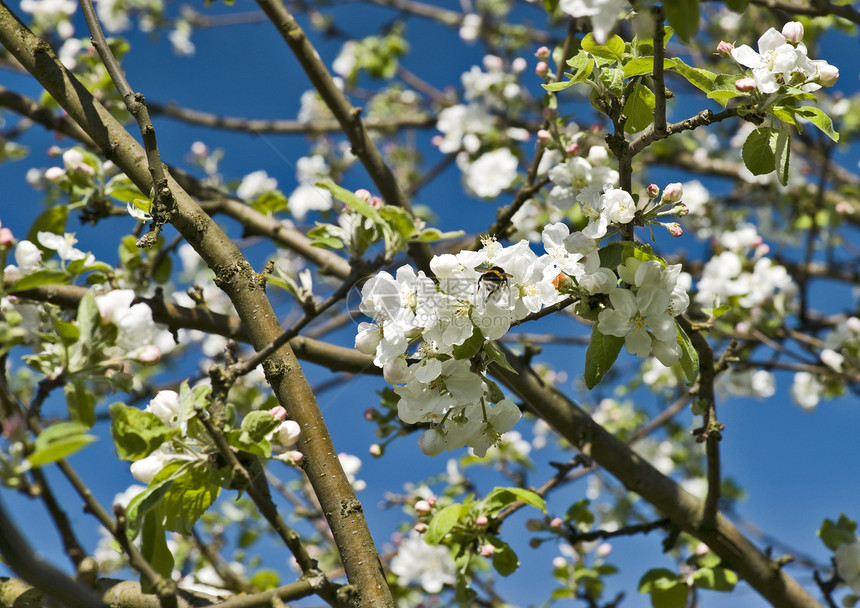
{"x":603,"y":14}
{"x":430,"y":566}
{"x":491,"y":173}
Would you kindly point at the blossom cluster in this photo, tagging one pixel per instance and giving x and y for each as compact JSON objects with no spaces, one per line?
{"x":782,"y":60}
{"x":428,"y":335}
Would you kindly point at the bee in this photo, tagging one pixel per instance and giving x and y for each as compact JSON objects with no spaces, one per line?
{"x":493,"y":280}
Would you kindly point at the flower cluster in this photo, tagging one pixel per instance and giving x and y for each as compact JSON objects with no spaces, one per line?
{"x":428,"y":336}
{"x":782,"y":60}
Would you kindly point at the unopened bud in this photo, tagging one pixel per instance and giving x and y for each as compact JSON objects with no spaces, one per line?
{"x":680,"y":210}
{"x":653,"y":190}
{"x":725,"y":48}
{"x":422,"y":507}
{"x":793,"y":31}
{"x":55,"y":151}
{"x":487,"y":550}
{"x":363,"y":194}
{"x":7,"y":239}
{"x":375,"y":450}
{"x":198,"y":148}
{"x":675,"y":229}
{"x":827,"y":75}
{"x":542,"y":53}
{"x":558,"y":562}
{"x":745,"y":85}
{"x":534,"y":525}
{"x":853,"y":324}
{"x":549,"y":113}
{"x":420,"y":527}
{"x":481,"y":520}
{"x":149,"y":354}
{"x":295,"y":457}
{"x":369,"y":414}
{"x":519,"y":65}
{"x":55,"y":174}
{"x":431,"y":501}
{"x":541,"y":69}
{"x":556,"y":523}
{"x":673,"y":193}
{"x":278,"y":412}
{"x":534,"y":543}
{"x":572,"y":149}
{"x":544,"y":136}
{"x":843,"y":208}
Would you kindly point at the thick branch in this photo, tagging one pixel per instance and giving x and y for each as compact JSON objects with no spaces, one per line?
{"x":236,"y":277}
{"x":683,"y":509}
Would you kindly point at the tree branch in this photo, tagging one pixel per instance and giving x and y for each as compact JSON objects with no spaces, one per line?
{"x":235,"y":276}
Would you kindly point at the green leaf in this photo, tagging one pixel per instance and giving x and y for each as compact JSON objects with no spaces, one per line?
{"x":264,"y":580}
{"x":716,"y":579}
{"x":50,"y":220}
{"x":499,"y":498}
{"x":759,"y":151}
{"x":841,"y":532}
{"x":656,"y":579}
{"x":554,"y":87}
{"x":783,"y":153}
{"x":189,"y":496}
{"x":673,"y":597}
{"x":699,"y":78}
{"x":137,"y":433}
{"x":821,"y":120}
{"x":89,"y":319}
{"x":443,"y":522}
{"x":154,"y":549}
{"x":601,"y":354}
{"x":270,"y":202}
{"x":59,"y":441}
{"x":640,"y":66}
{"x":81,"y":402}
{"x":141,"y":504}
{"x":39,"y":278}
{"x":613,"y":49}
{"x":683,"y":15}
{"x":400,"y":221}
{"x":351,"y":200}
{"x":471,"y":347}
{"x":737,"y":6}
{"x":68,"y":332}
{"x":580,"y":515}
{"x":689,"y":355}
{"x":429,"y":235}
{"x":505,"y":560}
{"x":498,"y":357}
{"x":639,"y":109}
{"x":258,"y":424}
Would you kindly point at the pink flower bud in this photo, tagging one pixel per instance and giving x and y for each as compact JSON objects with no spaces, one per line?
{"x":793,"y":31}
{"x":149,"y":354}
{"x":559,"y":562}
{"x":674,"y":229}
{"x":437,"y":140}
{"x":420,"y":527}
{"x":827,"y":75}
{"x":288,"y":432}
{"x":375,"y":450}
{"x":673,"y":193}
{"x":481,"y":520}
{"x":519,"y":65}
{"x":572,"y":149}
{"x":681,"y":210}
{"x":487,"y":550}
{"x":369,"y":414}
{"x":363,"y":194}
{"x":422,"y":507}
{"x":653,"y":190}
{"x":853,"y":324}
{"x":55,"y":151}
{"x":745,"y":85}
{"x":55,"y":174}
{"x":198,"y":148}
{"x":296,"y":457}
{"x":278,"y":412}
{"x":544,"y":136}
{"x":842,"y":208}
{"x":7,"y":239}
{"x":725,"y":48}
{"x":604,"y":549}
{"x":542,"y":53}
{"x":556,"y":523}
{"x":541,"y":69}
{"x":431,"y":501}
